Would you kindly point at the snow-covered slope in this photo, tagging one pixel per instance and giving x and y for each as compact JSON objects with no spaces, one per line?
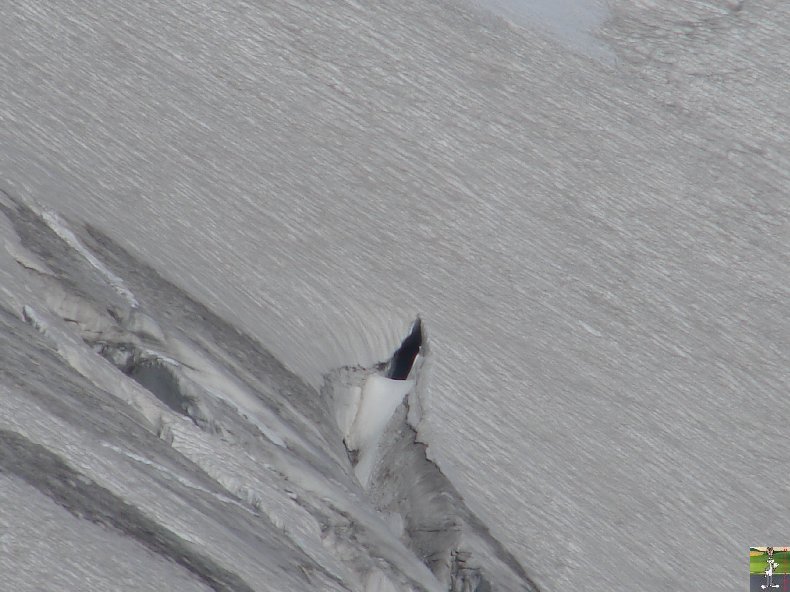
{"x":200,"y":447}
{"x":598,"y":253}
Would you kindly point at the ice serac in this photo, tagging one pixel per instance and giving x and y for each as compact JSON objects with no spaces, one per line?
{"x":335,"y":482}
{"x":422,"y":506}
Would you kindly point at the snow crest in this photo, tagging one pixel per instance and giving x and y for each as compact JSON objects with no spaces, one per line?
{"x":224,"y":421}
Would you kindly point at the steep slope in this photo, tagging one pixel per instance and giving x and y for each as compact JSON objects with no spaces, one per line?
{"x":599,"y":252}
{"x":204,"y":428}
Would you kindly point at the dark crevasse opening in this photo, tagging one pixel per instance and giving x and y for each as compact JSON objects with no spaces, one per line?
{"x":403,"y":359}
{"x":160,"y":380}
{"x":159,"y":377}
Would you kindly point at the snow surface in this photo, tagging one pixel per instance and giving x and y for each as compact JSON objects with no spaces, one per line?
{"x":241,"y":435}
{"x":379,"y":399}
{"x":573,"y":22}
{"x":599,"y":252}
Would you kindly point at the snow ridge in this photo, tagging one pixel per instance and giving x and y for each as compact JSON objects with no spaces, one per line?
{"x":423,"y":507}
{"x":339,"y":474}
{"x":60,"y":228}
{"x":48,"y":473}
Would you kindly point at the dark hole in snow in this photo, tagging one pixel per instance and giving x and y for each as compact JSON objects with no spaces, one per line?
{"x":152,"y":373}
{"x":403,"y":359}
{"x":159,"y":379}
{"x":162,"y":380}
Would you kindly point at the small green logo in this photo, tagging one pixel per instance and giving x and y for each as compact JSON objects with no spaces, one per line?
{"x":769,"y":569}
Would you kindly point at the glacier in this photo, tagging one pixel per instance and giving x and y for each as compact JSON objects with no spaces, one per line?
{"x":351,"y":505}
{"x":220,"y":221}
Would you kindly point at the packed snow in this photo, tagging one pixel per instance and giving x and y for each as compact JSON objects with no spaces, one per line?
{"x":219,"y":221}
{"x":379,"y":399}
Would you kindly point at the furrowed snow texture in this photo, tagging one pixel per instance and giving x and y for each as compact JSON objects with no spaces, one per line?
{"x":348,"y":459}
{"x":48,"y":473}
